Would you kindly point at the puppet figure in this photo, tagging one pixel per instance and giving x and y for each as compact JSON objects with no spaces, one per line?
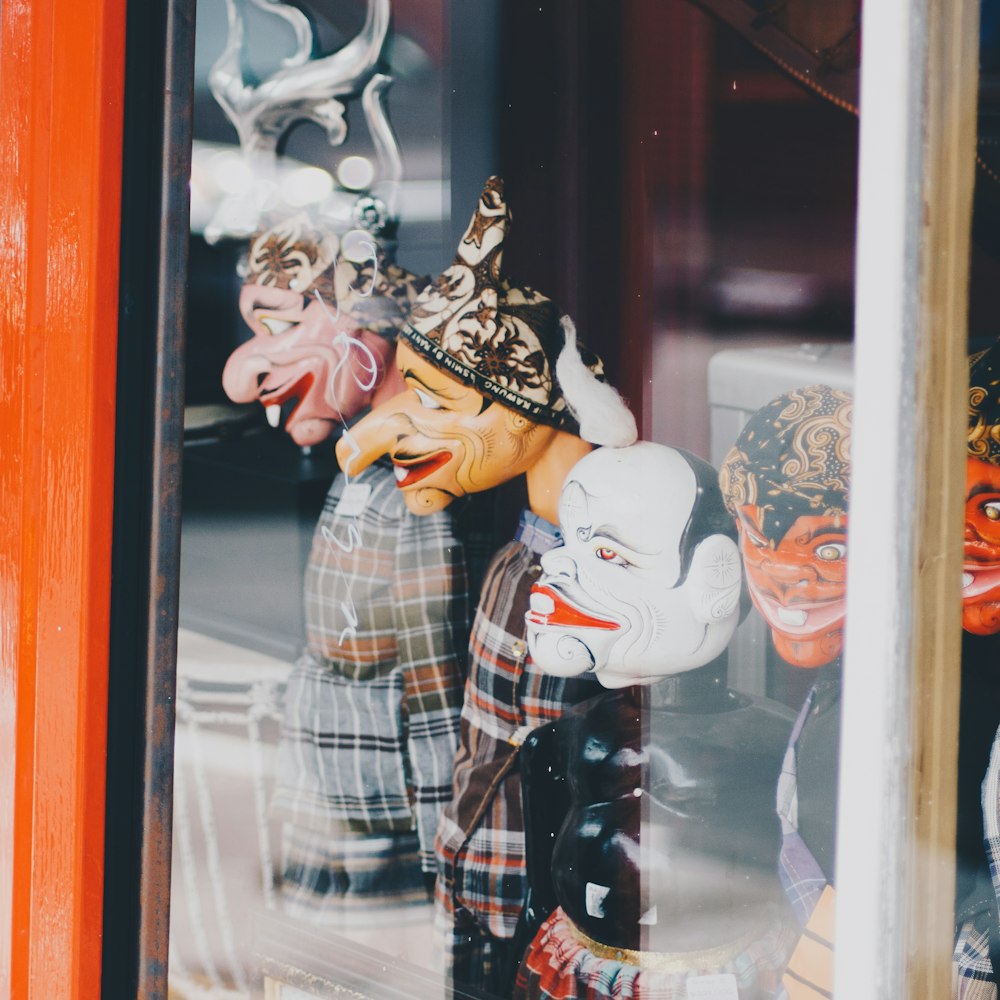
{"x":652,"y":836}
{"x":483,"y":405}
{"x":786,"y":480}
{"x":977,"y":952}
{"x":371,"y":711}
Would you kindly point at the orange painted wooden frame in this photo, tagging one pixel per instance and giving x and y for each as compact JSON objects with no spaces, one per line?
{"x":61,"y":94}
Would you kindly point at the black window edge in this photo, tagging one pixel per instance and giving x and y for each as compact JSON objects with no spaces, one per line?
{"x":159,"y":65}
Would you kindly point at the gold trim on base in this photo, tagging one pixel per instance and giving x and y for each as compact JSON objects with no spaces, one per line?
{"x":668,"y":961}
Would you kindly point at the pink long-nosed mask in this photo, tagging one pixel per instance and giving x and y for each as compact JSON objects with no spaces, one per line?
{"x":305,"y":363}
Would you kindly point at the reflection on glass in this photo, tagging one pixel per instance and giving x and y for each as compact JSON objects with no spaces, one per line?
{"x":308,"y":781}
{"x":345,"y":755}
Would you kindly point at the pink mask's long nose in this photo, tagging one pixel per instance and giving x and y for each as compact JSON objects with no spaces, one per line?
{"x":373,"y":436}
{"x":240,"y":376}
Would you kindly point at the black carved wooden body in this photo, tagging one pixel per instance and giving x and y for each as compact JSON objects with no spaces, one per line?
{"x":650,"y":813}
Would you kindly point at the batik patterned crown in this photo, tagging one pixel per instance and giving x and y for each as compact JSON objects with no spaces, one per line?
{"x":479,"y":327}
{"x":295,"y":254}
{"x":792,"y":458}
{"x":983,"y":440}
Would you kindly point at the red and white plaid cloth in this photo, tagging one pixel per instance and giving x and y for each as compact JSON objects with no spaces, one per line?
{"x":559,"y":965}
{"x":482,"y":881}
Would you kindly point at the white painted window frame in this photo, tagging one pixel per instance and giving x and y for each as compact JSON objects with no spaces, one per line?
{"x":895,"y":839}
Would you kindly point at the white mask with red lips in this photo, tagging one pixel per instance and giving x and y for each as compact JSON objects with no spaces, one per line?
{"x":611,"y":599}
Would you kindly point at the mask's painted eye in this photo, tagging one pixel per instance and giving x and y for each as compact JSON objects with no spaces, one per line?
{"x":276,"y":326}
{"x":754,"y":538}
{"x":427,"y":402}
{"x":610,"y":555}
{"x":831,"y":550}
{"x":992,"y":510}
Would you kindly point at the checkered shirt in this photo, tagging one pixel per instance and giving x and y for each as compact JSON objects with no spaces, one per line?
{"x":372,"y":706}
{"x":973,"y":975}
{"x":480,"y":842}
{"x":801,"y":876}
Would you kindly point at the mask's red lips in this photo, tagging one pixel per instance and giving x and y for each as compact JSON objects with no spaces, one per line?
{"x":410,"y":471}
{"x":981,"y":552}
{"x":549,"y":607}
{"x":294,"y":392}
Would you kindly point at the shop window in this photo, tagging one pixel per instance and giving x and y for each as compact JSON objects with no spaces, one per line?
{"x":404,"y":230}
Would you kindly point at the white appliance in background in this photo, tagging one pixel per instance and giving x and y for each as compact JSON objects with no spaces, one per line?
{"x":739,"y":383}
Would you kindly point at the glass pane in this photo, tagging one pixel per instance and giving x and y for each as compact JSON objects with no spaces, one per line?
{"x":477,"y":694}
{"x":254,"y":833}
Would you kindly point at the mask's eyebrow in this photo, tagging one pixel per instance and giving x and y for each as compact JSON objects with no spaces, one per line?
{"x":827,"y":530}
{"x":609,"y":533}
{"x":411,"y":374}
{"x":981,"y":488}
{"x":751,"y":518}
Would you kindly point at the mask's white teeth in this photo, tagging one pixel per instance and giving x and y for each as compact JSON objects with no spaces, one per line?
{"x":542,"y":603}
{"x":400,"y":472}
{"x":791,"y":616}
{"x":273,"y":414}
{"x":967,"y":579}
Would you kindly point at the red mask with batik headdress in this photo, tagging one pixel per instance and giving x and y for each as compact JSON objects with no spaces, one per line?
{"x":786,"y":483}
{"x":981,"y":564}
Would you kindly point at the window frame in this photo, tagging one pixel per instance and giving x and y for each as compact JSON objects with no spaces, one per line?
{"x":61,"y":93}
{"x":902,"y":662}
{"x":156,"y":167}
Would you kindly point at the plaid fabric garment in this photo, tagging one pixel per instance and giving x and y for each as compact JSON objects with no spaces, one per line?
{"x":347,"y":879}
{"x":991,"y":814}
{"x":800,"y":873}
{"x":558,"y":966}
{"x":973,"y":976}
{"x":372,"y":707}
{"x":480,"y":843}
